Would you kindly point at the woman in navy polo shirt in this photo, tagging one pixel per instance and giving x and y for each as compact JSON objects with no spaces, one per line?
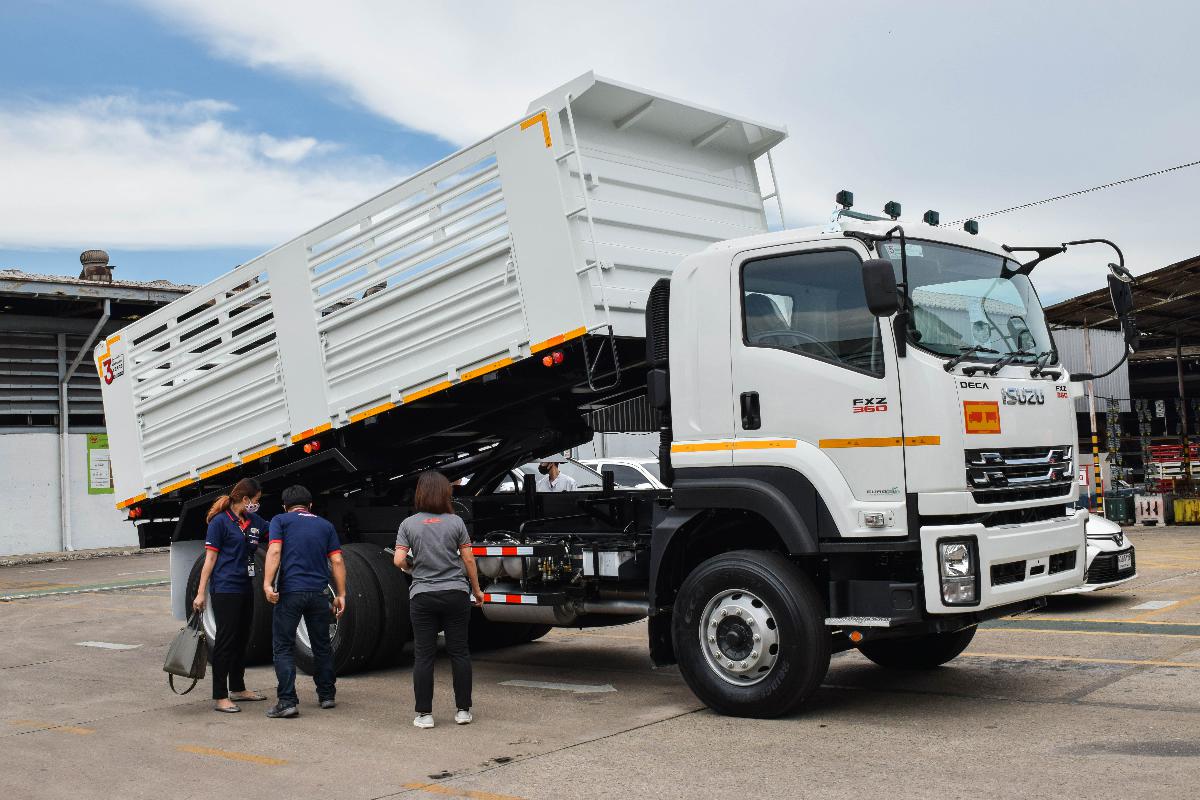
{"x":234,"y":531}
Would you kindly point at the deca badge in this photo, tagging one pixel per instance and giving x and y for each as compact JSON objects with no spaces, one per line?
{"x":981,"y":416}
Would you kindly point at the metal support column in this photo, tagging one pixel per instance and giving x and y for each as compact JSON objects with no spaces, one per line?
{"x":1186,"y":480}
{"x":65,"y":374}
{"x":1097,"y":477}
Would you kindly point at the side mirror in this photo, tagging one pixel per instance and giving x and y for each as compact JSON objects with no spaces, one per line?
{"x":1121,"y":294}
{"x":879,"y":285}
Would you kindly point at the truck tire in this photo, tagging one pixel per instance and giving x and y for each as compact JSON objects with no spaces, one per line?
{"x":258,"y":648}
{"x":356,"y":635}
{"x":395,"y":629}
{"x":918,"y":652}
{"x":537,"y":631}
{"x":484,"y":634}
{"x":749,"y":634}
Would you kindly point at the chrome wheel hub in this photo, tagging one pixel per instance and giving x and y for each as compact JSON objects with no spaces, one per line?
{"x":738,"y":637}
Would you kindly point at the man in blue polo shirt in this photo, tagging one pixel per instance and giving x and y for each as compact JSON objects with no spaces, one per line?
{"x":303,"y":549}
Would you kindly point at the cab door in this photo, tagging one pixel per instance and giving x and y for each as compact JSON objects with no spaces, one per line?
{"x":815,"y":388}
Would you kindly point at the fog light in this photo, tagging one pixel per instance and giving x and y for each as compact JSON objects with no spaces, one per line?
{"x":958,"y":591}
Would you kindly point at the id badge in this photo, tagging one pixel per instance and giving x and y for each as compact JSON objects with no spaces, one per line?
{"x":250,"y":568}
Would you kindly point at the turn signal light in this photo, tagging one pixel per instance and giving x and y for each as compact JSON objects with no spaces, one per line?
{"x":553,"y":359}
{"x":312,"y":447}
{"x":135,"y":513}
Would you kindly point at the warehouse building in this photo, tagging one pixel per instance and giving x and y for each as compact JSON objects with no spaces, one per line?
{"x":1148,"y":412}
{"x":54,"y":470}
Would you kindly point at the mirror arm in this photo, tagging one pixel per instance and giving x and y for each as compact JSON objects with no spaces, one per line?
{"x":1087,"y":376}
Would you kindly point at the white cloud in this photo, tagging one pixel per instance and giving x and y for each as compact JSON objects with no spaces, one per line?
{"x":960,"y":108}
{"x":124,"y":172}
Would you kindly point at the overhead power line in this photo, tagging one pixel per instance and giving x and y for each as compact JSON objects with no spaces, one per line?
{"x":1077,"y":193}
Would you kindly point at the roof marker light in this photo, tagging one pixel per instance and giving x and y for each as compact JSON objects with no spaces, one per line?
{"x":845,"y":198}
{"x":931,"y":217}
{"x":972,"y":227}
{"x":892,"y":209}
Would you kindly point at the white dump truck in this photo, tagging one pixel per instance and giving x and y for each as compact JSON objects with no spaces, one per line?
{"x":868,"y":438}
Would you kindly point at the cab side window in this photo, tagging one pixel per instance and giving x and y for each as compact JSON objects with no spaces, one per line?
{"x":811,"y":304}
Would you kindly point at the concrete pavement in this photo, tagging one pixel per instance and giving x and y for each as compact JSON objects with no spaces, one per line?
{"x":1097,"y":695}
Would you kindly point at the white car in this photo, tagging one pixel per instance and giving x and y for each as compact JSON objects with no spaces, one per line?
{"x":1110,"y":557}
{"x":629,"y":473}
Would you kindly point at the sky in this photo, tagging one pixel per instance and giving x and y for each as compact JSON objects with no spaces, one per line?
{"x":187,"y":136}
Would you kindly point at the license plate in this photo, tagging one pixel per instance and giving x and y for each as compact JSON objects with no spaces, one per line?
{"x":1124,"y":560}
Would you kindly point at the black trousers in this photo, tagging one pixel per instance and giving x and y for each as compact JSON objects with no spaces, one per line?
{"x":234,"y":611}
{"x":431,"y":612}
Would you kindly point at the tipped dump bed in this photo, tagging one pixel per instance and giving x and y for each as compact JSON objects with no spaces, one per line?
{"x":555,"y":226}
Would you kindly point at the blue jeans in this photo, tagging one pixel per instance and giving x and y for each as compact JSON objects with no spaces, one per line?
{"x":314,"y":608}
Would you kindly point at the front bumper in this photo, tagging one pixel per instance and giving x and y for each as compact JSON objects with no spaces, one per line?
{"x":1034,"y":543}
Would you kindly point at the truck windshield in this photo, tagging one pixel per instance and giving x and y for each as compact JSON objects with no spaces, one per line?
{"x":965,"y":299}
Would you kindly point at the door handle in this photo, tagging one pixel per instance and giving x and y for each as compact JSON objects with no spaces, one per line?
{"x":751,"y":417}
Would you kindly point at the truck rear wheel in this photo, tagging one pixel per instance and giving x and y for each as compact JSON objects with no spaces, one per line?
{"x":484,"y":634}
{"x":395,"y":627}
{"x":355,"y":636}
{"x":258,"y":649}
{"x":918,"y":652}
{"x":749,"y":634}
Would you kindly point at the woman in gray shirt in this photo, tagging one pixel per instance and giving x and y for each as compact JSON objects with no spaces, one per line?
{"x":445,"y":584}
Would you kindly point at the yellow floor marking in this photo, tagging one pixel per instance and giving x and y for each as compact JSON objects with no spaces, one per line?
{"x":1081,"y":619}
{"x":1172,"y":607}
{"x":231,"y":755}
{"x":1128,"y":661}
{"x":1087,"y":633}
{"x":52,"y":726}
{"x":439,"y":788}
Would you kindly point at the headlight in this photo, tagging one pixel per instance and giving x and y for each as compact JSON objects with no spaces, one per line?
{"x":956,"y":560}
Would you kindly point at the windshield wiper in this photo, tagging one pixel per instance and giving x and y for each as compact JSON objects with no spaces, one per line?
{"x":965,"y":354}
{"x":1039,"y":369}
{"x":1008,"y":359}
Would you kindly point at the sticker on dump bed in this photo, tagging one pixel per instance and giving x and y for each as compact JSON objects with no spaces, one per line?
{"x":112,"y":368}
{"x":981,"y":416}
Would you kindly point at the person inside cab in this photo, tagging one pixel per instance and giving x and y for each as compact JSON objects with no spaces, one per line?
{"x":552,"y":479}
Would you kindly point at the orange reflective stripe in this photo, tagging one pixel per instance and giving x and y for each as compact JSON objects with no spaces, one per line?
{"x":749,"y":444}
{"x":170,"y":487}
{"x":257,"y":454}
{"x":208,"y":473}
{"x":534,"y":120}
{"x":417,"y":395}
{"x":879,"y":441}
{"x":370,"y":412}
{"x":310,"y":432}
{"x":135,"y":499}
{"x":484,"y":370}
{"x":553,"y":340}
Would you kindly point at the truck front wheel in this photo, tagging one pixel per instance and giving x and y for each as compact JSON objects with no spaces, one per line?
{"x":918,"y":652}
{"x":749,"y":633}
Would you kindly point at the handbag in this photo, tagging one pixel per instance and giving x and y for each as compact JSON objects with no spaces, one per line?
{"x":187,"y":656}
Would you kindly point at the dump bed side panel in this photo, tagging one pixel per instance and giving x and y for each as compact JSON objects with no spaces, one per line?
{"x":557,"y":225}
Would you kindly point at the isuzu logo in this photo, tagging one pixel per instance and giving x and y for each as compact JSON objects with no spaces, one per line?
{"x":1023,"y":397}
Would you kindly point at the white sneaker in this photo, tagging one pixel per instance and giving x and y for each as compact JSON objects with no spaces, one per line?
{"x":423,"y":721}
{"x":463,"y":717}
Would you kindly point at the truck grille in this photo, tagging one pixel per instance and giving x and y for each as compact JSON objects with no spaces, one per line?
{"x":1005,"y":475}
{"x":1104,"y":568}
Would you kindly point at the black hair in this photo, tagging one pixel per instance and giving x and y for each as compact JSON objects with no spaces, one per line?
{"x":296,"y":496}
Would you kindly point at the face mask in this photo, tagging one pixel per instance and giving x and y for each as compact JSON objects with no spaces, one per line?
{"x":251,"y":508}
{"x":544,"y":469}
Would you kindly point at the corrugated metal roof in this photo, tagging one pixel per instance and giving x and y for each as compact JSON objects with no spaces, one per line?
{"x":67,"y":287}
